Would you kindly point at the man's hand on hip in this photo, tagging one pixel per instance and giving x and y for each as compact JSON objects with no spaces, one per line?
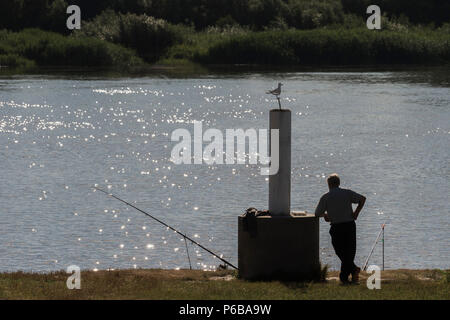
{"x":359,"y":208}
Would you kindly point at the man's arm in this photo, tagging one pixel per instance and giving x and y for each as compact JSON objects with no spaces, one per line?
{"x":361,"y":202}
{"x":321,"y":208}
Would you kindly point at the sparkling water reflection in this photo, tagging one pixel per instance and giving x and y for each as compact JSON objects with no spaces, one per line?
{"x":386,"y":133}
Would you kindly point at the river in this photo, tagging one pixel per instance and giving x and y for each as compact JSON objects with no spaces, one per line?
{"x":387,"y":133}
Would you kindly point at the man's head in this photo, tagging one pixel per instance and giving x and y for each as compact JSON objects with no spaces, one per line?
{"x":333,"y":181}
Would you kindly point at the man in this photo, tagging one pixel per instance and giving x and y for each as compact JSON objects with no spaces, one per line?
{"x":336,"y":207}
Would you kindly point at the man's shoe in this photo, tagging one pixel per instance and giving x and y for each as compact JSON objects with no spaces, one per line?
{"x":344,"y":280}
{"x":355,"y":275}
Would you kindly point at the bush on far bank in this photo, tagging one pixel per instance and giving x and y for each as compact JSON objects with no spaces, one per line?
{"x":52,"y":49}
{"x":330,"y":47}
{"x":150,"y":37}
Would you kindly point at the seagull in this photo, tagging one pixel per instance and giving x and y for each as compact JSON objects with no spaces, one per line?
{"x":277,"y":91}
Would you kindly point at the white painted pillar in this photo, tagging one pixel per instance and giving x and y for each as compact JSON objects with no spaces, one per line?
{"x":280,"y":183}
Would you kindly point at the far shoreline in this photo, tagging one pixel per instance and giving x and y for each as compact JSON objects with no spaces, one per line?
{"x":196,"y":70}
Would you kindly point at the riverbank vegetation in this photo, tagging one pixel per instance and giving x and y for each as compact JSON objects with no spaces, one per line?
{"x":32,"y":47}
{"x":330,"y":47}
{"x":196,"y":284}
{"x":138,"y":33}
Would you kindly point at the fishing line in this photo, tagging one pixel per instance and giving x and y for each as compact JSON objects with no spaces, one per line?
{"x":373,"y":247}
{"x":81,"y":186}
{"x":166,"y":225}
{"x":76,"y":155}
{"x":184,"y":237}
{"x":187,"y":251}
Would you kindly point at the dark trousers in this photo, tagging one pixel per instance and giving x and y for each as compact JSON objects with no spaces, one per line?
{"x":343,"y":238}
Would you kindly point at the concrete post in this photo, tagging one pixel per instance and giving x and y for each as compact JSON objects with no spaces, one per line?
{"x":279,"y":248}
{"x":280,"y":183}
{"x":283,"y":245}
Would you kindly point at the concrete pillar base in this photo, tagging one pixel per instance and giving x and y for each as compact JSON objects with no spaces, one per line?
{"x":280,"y":183}
{"x":283,"y":247}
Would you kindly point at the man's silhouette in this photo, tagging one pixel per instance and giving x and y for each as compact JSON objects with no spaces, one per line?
{"x":336,"y":207}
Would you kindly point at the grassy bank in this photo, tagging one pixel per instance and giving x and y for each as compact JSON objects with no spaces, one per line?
{"x":185,"y":34}
{"x":329,"y":47}
{"x":185,"y":284}
{"x":32,"y":47}
{"x":183,"y":47}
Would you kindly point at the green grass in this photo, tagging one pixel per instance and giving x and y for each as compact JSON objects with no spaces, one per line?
{"x":14,"y":60}
{"x":36,"y":47}
{"x":183,"y":47}
{"x":150,"y":37}
{"x":195,"y":44}
{"x":185,"y":284}
{"x":329,"y":47}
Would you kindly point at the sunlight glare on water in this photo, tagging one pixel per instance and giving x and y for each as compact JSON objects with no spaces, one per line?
{"x":386,"y":133}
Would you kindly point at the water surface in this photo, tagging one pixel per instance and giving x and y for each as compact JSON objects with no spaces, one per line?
{"x":386,"y":133}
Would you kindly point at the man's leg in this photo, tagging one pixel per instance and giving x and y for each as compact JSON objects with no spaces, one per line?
{"x":345,"y":269}
{"x":348,"y":232}
{"x":338,"y":241}
{"x":350,"y":252}
{"x":356,"y":269}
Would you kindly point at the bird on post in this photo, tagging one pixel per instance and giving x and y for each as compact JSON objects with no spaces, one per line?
{"x":276,"y":92}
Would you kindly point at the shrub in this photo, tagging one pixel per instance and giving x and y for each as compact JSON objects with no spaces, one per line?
{"x":48,"y":48}
{"x":150,"y":37}
{"x":334,"y":47}
{"x":15,"y":61}
{"x":226,"y":21}
{"x":257,"y":14}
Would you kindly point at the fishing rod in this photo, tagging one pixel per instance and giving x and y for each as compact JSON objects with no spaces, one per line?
{"x":373,"y":247}
{"x":129,"y":204}
{"x":166,"y":225}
